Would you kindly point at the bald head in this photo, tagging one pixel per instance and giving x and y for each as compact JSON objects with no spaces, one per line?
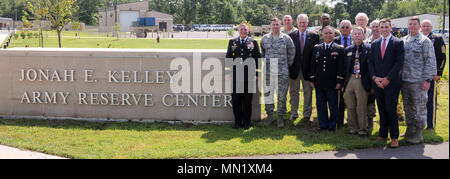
{"x":288,"y":22}
{"x":427,"y":27}
{"x":325,"y":19}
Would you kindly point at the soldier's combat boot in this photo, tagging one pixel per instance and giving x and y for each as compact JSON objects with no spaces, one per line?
{"x":417,"y":137}
{"x":269,"y":120}
{"x":280,"y":122}
{"x":410,"y":129}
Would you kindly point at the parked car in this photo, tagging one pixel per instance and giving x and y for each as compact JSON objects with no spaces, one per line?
{"x":444,"y":34}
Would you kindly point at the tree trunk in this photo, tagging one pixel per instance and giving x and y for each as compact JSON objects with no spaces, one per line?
{"x":41,"y":38}
{"x":59,"y":38}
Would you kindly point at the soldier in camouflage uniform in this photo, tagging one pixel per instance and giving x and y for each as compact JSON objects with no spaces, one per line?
{"x":288,"y":23}
{"x":419,"y":69}
{"x":325,"y":20}
{"x":279,"y":46}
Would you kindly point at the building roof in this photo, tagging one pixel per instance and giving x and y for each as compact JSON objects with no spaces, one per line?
{"x":5,"y":18}
{"x":435,"y":19}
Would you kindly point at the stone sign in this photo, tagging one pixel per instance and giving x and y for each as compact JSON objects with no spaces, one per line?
{"x":116,"y":84}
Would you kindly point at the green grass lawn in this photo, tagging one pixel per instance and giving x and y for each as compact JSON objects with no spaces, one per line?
{"x":86,"y":40}
{"x":78,"y":139}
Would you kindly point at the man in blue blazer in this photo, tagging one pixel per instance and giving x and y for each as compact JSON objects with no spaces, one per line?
{"x":357,"y":83}
{"x":386,"y":62}
{"x":345,"y":39}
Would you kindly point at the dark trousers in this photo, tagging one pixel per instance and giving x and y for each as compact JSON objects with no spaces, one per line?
{"x":387,"y":101}
{"x":242,"y":108}
{"x":431,"y":105}
{"x":327,"y":99}
{"x":341,"y":107}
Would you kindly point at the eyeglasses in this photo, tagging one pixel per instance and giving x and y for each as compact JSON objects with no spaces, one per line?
{"x":345,"y":27}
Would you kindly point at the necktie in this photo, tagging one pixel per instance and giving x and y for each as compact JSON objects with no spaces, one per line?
{"x":383,"y":48}
{"x":302,"y":43}
{"x":242,"y":41}
{"x":345,"y":42}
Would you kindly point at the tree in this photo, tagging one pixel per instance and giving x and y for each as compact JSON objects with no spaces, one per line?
{"x":88,"y":11}
{"x":60,"y":14}
{"x":339,"y":13}
{"x":37,"y":10}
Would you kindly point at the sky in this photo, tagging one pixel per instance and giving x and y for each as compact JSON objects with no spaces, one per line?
{"x":331,"y":4}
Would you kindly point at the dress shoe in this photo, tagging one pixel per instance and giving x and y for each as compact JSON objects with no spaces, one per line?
{"x":394,"y":143}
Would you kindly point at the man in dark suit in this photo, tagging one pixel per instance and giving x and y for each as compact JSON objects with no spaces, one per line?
{"x":388,"y":55}
{"x":327,"y":71}
{"x":300,"y":71}
{"x":357,"y":83}
{"x":345,"y":39}
{"x":243,"y":48}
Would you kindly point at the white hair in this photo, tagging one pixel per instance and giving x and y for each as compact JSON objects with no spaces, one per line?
{"x":375,"y":21}
{"x":346,"y":21}
{"x":304,"y":16}
{"x":361,"y":14}
{"x":290,"y":17}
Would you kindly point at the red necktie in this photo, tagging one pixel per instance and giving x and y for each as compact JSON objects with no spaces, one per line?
{"x":383,"y":48}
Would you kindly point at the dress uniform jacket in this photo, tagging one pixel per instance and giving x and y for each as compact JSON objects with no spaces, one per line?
{"x":440,"y":51}
{"x":327,"y":67}
{"x":236,"y":50}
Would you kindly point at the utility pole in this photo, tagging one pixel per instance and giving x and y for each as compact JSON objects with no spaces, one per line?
{"x":15,"y":15}
{"x":443,"y":16}
{"x":116,"y":32}
{"x":115,"y":10}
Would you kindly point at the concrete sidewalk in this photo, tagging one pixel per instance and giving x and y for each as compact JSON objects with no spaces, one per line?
{"x":427,"y":151}
{"x":422,"y":151}
{"x":13,"y":153}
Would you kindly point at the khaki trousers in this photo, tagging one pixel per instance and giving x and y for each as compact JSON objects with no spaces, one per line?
{"x":294,"y":91}
{"x":356,"y":99}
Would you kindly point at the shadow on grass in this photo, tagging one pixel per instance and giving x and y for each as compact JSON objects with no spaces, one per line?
{"x":304,"y":132}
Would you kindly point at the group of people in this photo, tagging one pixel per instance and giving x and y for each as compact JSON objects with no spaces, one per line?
{"x":349,"y":68}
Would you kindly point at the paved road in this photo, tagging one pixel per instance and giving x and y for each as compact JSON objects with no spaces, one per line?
{"x":13,"y":153}
{"x":3,"y":35}
{"x":428,"y":151}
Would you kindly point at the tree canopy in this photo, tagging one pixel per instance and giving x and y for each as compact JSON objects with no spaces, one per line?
{"x":257,"y":12}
